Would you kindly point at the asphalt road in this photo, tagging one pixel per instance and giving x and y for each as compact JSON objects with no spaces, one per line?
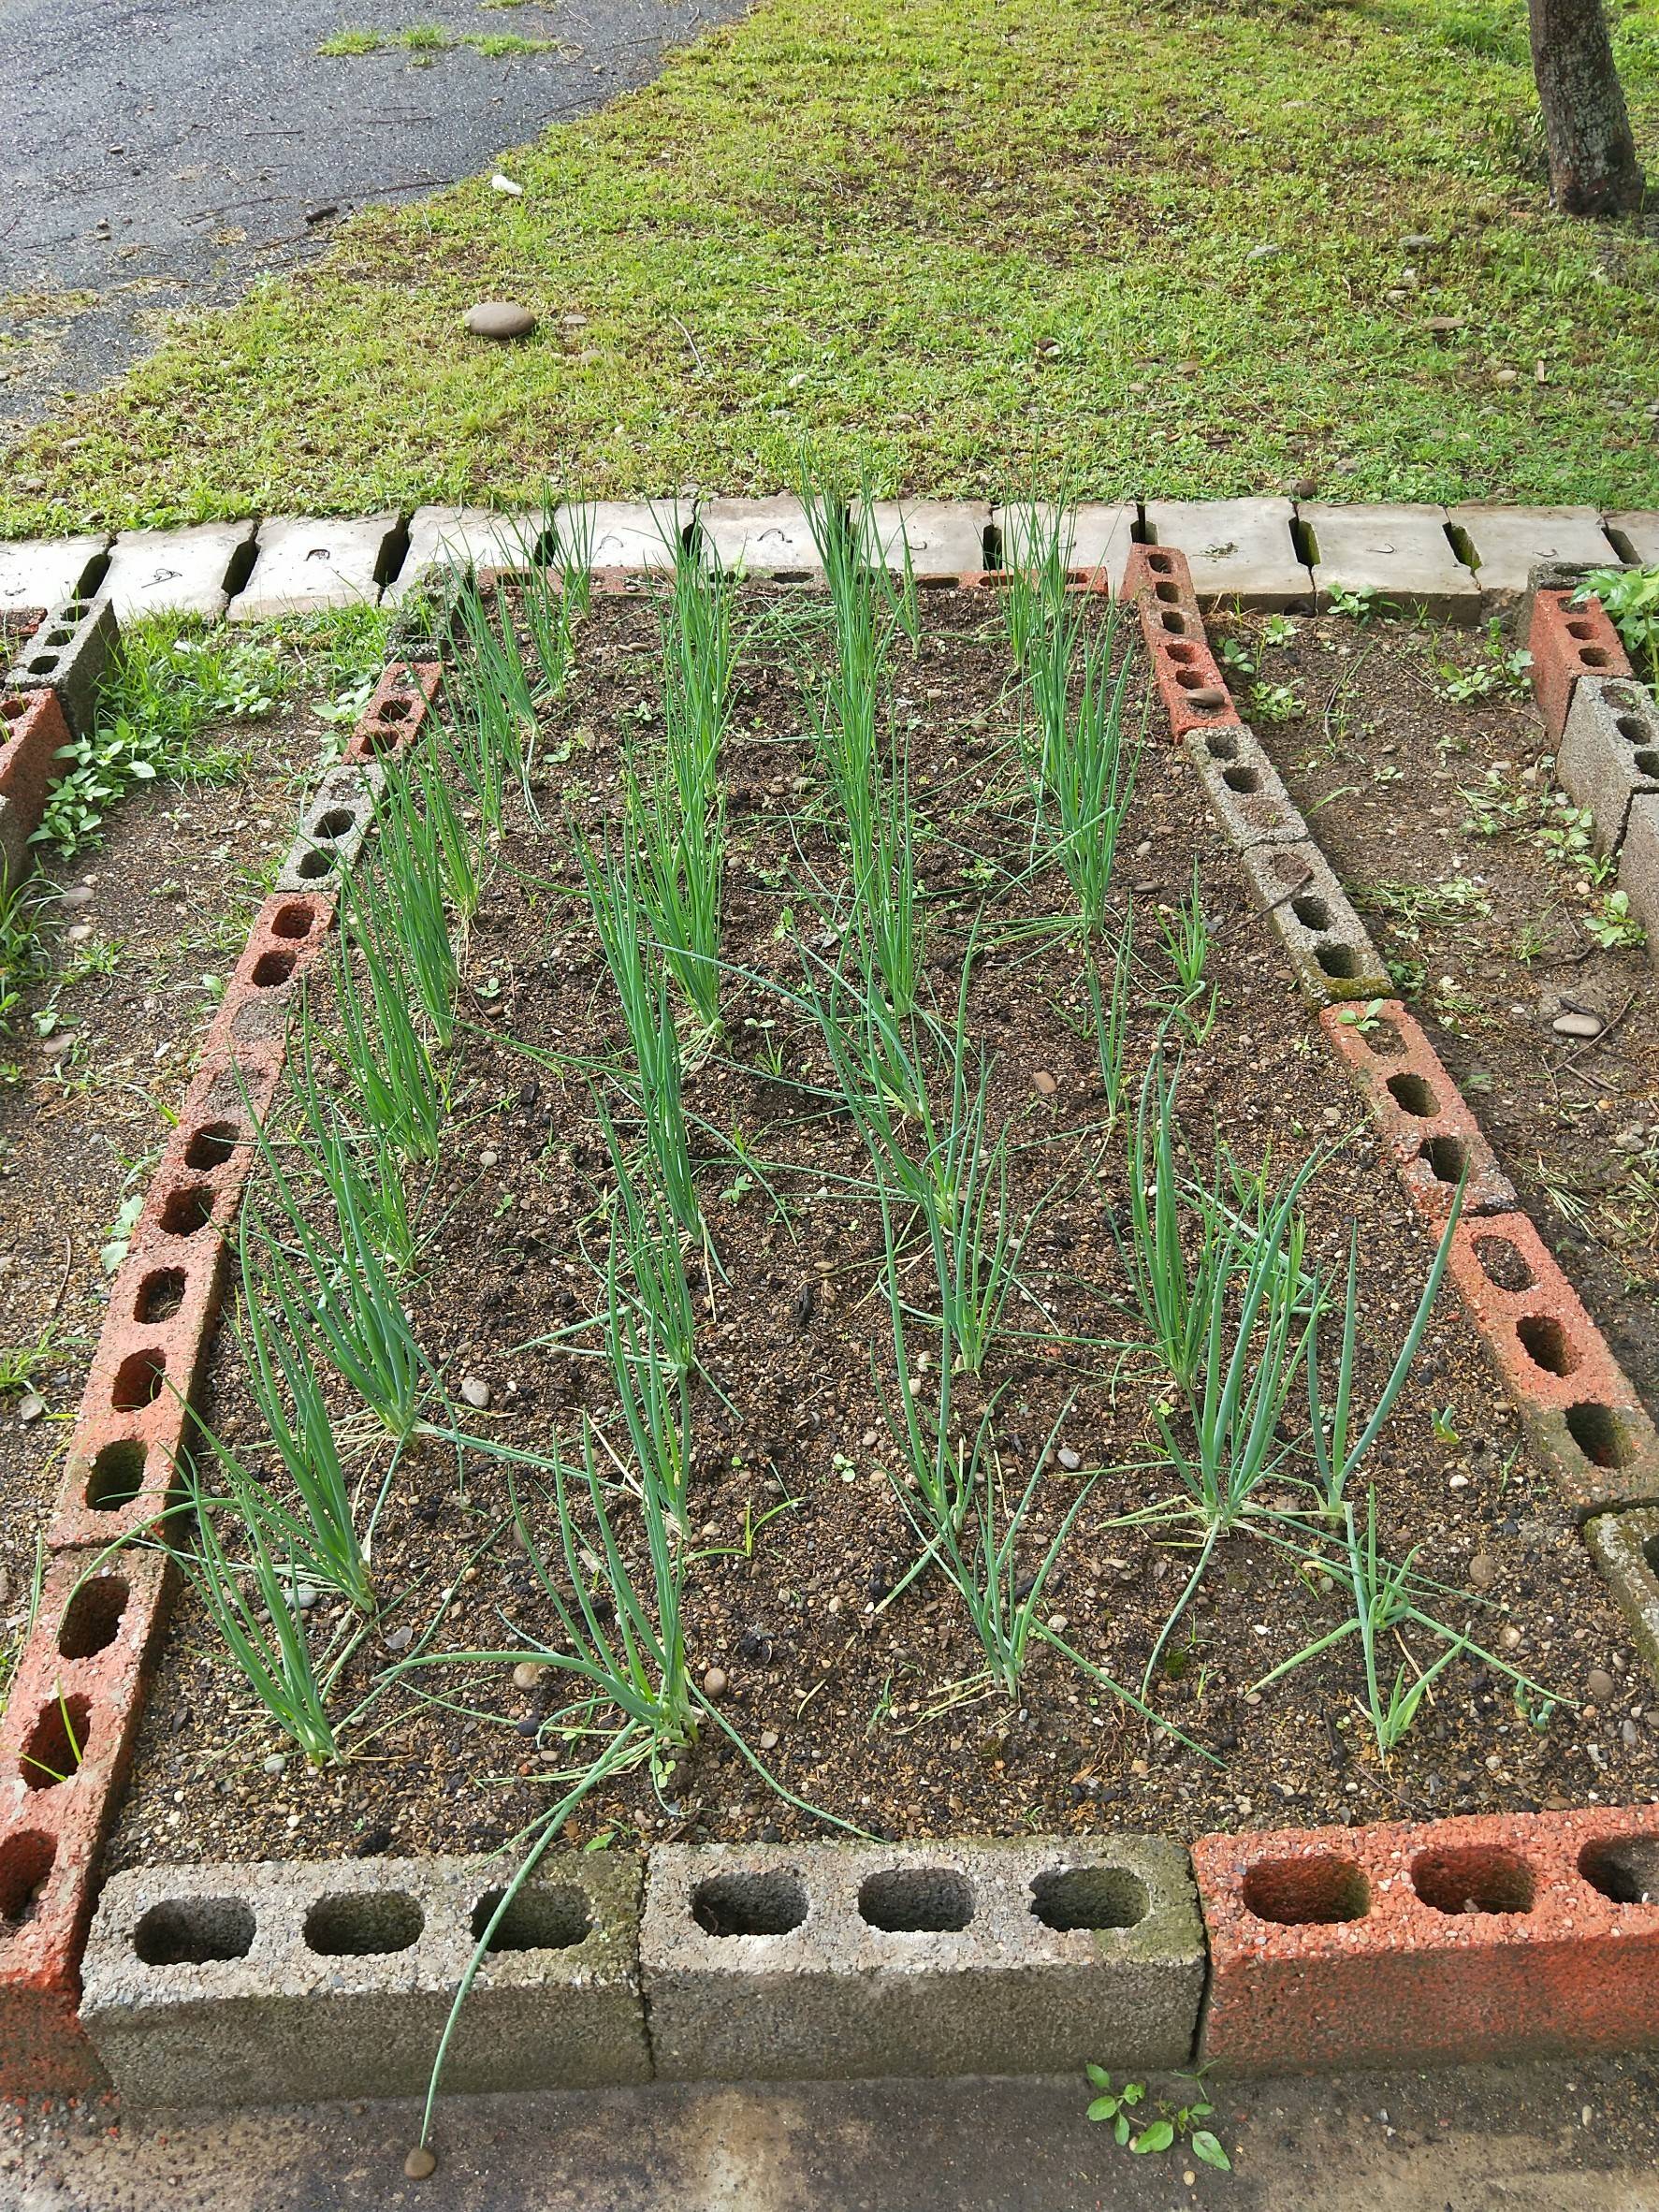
{"x":1539,"y":2138}
{"x":162,"y":153}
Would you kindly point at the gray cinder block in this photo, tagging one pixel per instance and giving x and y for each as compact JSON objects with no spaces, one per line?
{"x":332,"y":828}
{"x":1609,"y":752}
{"x":278,"y":1984}
{"x":429,"y":612}
{"x":1625,"y":1547}
{"x":70,"y":654}
{"x":835,"y":1962}
{"x":1296,"y":891}
{"x":1243,"y":785}
{"x":1638,"y":863}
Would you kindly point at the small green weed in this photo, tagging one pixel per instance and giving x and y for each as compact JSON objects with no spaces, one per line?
{"x":1173,"y":2123}
{"x":1630,"y":600}
{"x":1278,"y":703}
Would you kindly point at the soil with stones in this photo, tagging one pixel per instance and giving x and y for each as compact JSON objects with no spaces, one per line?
{"x":853,"y":1686}
{"x":1473,"y":872}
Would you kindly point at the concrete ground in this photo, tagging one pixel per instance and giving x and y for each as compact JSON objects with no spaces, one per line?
{"x":1539,"y":2138}
{"x":163,"y":153}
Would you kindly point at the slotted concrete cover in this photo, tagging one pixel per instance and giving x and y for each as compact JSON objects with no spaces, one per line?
{"x":478,"y":537}
{"x":623,"y":533}
{"x":946,"y":537}
{"x":1236,"y":549}
{"x":1097,"y":536}
{"x":302,"y":565}
{"x":1640,"y":532}
{"x":43,"y":572}
{"x":1400,"y":553}
{"x":175,"y":571}
{"x":1507,"y":541}
{"x":765,"y":537}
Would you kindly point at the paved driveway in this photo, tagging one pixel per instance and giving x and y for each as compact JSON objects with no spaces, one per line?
{"x":162,"y":153}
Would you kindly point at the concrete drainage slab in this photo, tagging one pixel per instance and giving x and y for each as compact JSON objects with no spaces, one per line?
{"x":944,"y":537}
{"x":839,"y":1961}
{"x":1403,"y":554}
{"x":619,"y":533}
{"x":466,"y":538}
{"x":278,"y":1984}
{"x":1503,"y":545}
{"x":759,"y":537}
{"x":178,"y":572}
{"x":303,"y":566}
{"x":38,"y":573}
{"x":1238,"y":551}
{"x":1098,"y":537}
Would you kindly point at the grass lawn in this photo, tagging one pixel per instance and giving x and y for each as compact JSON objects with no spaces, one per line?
{"x":972,"y":244}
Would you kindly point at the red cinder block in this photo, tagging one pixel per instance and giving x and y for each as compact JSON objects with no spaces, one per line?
{"x":1426,"y":1127}
{"x":1432,"y":1944}
{"x":121,"y":1472}
{"x":1545,"y":1346}
{"x":288,"y":933}
{"x":1567,"y":642}
{"x":198,"y":1185}
{"x":33,"y":732}
{"x":1159,"y":575}
{"x":1158,"y":584}
{"x":393,"y":717}
{"x":65,"y":1743}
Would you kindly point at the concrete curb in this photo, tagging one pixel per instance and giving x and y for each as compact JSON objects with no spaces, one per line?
{"x":121,"y":1471}
{"x":1454,"y":1941}
{"x":293,"y":1983}
{"x":1265,"y":553}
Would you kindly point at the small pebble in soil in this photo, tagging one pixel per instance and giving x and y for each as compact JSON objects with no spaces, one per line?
{"x":1573,"y":1024}
{"x":1483,"y":1571}
{"x":1511,"y":1638}
{"x":714,"y":1682}
{"x":79,"y":933}
{"x":475,"y":1391}
{"x":77,"y":895}
{"x":304,"y":1597}
{"x":398,"y":1640}
{"x":420,"y":2163}
{"x":275,"y":1764}
{"x":488,"y":1159}
{"x":1630,"y":1734}
{"x":527,"y":1673}
{"x":1043,"y":1084}
{"x":31,"y":1407}
{"x":1069,"y":1459}
{"x":770,"y":1740}
{"x":1600,"y":1685}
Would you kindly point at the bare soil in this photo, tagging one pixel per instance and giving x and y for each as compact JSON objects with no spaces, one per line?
{"x":856,"y":1694}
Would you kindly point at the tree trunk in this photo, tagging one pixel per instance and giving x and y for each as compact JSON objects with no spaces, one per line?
{"x":1592,"y":165}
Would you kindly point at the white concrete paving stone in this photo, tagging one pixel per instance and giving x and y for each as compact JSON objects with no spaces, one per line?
{"x":1401,"y":553}
{"x":1640,"y":532}
{"x":481,"y":536}
{"x":1099,"y":536}
{"x":174,"y":571}
{"x":623,"y":533}
{"x":40,"y":571}
{"x":765,"y":537}
{"x":946,"y":537}
{"x":303,"y":565}
{"x":1236,"y":549}
{"x":1507,"y":541}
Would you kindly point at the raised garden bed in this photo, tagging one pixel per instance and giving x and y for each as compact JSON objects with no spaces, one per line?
{"x":820,"y":1632}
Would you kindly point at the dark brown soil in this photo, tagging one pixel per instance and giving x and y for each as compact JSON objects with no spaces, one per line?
{"x":850,"y":1695}
{"x":1489,"y":932}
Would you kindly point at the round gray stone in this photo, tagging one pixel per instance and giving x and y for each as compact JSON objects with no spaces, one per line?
{"x":500,"y":318}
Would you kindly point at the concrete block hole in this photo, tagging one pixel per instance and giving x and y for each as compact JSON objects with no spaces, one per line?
{"x":1445,"y":1158}
{"x":750,"y":1904}
{"x":161,"y":1295}
{"x":195,"y":1931}
{"x":294,"y":921}
{"x":138,"y":1380}
{"x":1503,"y":1264}
{"x":1473,"y":1878}
{"x":1341,"y":963}
{"x":1623,"y":1868}
{"x":56,"y":1743}
{"x":92,"y":1617}
{"x":25,"y":1868}
{"x":1600,"y":1435}
{"x":363,"y":1924}
{"x":916,"y":1900}
{"x":1089,"y":1898}
{"x":211,"y":1146}
{"x":117,"y":1476}
{"x":552,"y":1919}
{"x":1547,"y":1343}
{"x":1312,"y":1892}
{"x":187,"y":1210}
{"x":1414,"y":1095}
{"x":271,"y":971}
